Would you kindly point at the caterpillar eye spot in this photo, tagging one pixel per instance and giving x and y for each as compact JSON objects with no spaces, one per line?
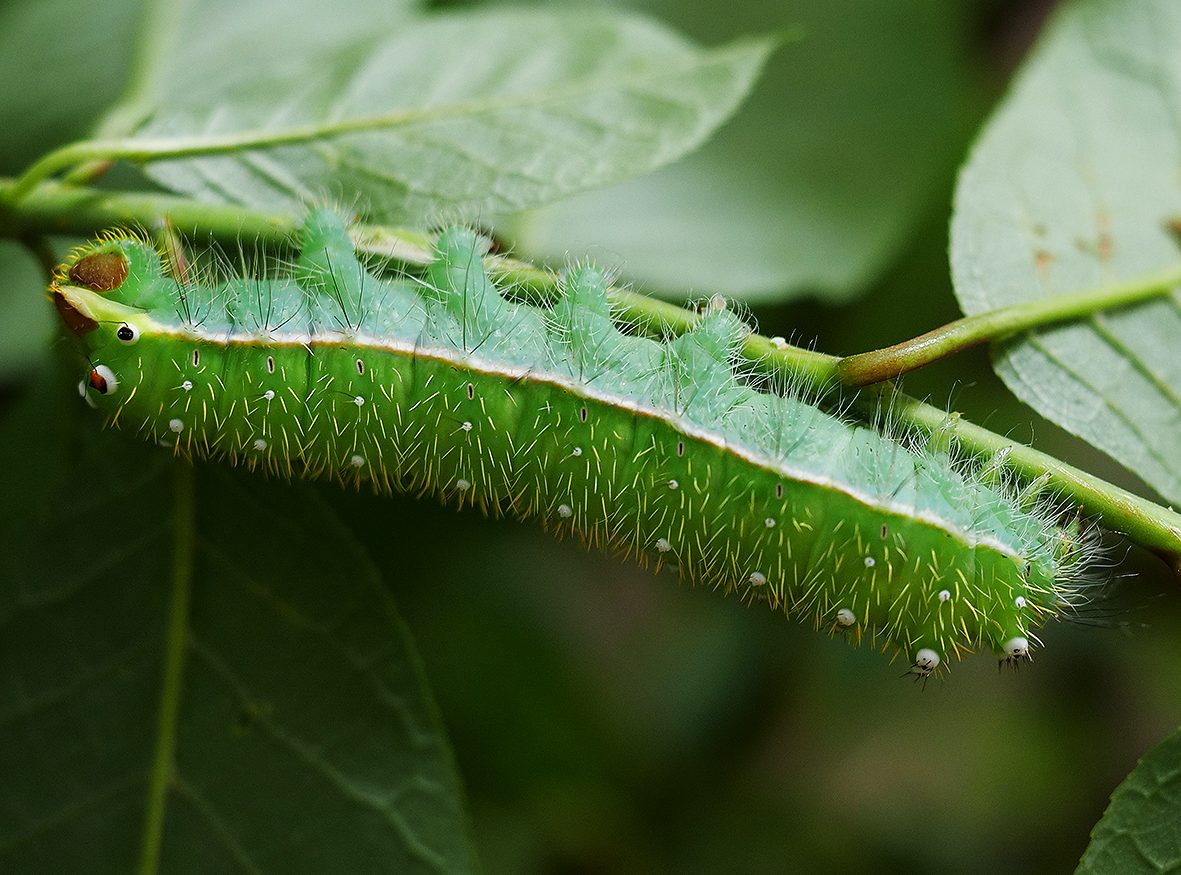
{"x":100,"y":272}
{"x":127,"y":334}
{"x":102,"y":380}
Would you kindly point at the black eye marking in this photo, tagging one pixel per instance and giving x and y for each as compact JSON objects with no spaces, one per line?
{"x":126,"y":333}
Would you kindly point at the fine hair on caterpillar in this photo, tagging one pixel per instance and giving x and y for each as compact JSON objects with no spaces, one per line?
{"x":667,"y":451}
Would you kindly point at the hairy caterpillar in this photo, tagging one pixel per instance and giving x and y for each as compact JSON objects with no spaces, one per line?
{"x":440,"y":385}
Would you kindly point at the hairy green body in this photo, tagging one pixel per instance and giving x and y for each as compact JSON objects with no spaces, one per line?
{"x":442,"y":386}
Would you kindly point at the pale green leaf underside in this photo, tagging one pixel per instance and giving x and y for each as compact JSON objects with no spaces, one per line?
{"x":455,"y":115}
{"x":305,"y":741}
{"x":1070,"y":188}
{"x":1141,"y":831}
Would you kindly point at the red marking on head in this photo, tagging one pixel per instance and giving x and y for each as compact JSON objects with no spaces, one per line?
{"x":97,"y":382}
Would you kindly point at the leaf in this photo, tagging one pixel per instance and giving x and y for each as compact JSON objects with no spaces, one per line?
{"x":303,"y":736}
{"x":214,"y":47}
{"x":472,"y":112}
{"x":1071,"y":187}
{"x":1141,"y":830}
{"x":822,"y":175}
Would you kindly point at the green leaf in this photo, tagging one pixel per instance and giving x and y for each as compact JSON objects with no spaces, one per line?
{"x":28,"y":322}
{"x":474,"y":112}
{"x":208,"y":683}
{"x":1071,"y":187}
{"x":204,"y":50}
{"x":822,"y":175}
{"x":1141,"y":830}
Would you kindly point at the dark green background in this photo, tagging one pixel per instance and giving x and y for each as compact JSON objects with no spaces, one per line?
{"x":608,"y":720}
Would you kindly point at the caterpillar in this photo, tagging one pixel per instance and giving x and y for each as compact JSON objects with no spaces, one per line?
{"x":440,"y":384}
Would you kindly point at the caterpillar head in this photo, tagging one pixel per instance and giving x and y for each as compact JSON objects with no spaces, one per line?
{"x":105,"y":295}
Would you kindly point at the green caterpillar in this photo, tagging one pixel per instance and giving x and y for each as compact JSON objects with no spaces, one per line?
{"x":439,"y":385}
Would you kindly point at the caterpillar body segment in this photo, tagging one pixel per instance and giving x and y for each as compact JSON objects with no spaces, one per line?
{"x":439,"y":385}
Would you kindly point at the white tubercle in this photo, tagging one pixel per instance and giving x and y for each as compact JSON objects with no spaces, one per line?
{"x":926,"y":660}
{"x":846,"y":617}
{"x":1016,"y":648}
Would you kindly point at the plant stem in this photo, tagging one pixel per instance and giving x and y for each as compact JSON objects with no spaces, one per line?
{"x":176,"y":643}
{"x":892,"y":361}
{"x":55,"y":208}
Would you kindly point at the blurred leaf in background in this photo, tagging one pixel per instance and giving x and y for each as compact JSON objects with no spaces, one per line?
{"x":302,"y":737}
{"x":818,"y":182}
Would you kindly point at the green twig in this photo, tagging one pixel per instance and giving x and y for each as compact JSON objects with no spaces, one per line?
{"x":51,"y":208}
{"x":893,"y":361}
